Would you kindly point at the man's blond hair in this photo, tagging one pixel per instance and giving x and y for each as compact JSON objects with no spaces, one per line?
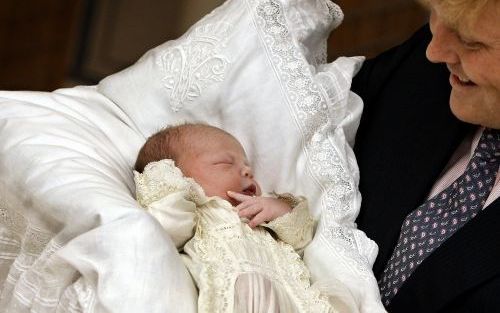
{"x":456,"y":12}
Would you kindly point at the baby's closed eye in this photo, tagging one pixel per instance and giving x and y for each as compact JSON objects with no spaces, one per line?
{"x":224,"y":163}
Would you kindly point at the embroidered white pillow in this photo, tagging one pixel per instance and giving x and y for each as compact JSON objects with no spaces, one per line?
{"x":244,"y":68}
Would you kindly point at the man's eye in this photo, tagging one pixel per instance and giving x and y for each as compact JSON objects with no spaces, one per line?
{"x":471,"y":45}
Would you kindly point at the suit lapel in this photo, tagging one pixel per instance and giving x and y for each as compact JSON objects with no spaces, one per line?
{"x":405,"y":176}
{"x":464,"y":261}
{"x":406,"y":137}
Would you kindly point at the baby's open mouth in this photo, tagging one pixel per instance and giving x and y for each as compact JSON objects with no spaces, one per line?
{"x":250,"y":190}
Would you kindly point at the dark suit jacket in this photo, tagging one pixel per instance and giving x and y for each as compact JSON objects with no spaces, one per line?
{"x":406,"y":137}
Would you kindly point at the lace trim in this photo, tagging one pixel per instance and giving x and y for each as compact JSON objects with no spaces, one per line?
{"x":220,"y":250}
{"x":163,"y":178}
{"x":295,"y":228}
{"x":335,"y":13}
{"x":290,"y":199}
{"x":30,"y":274}
{"x":359,"y":263}
{"x":311,"y":110}
{"x":195,"y":64}
{"x":327,"y":17}
{"x":18,"y":233}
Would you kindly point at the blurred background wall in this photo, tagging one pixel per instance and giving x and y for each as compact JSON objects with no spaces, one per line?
{"x":47,"y":44}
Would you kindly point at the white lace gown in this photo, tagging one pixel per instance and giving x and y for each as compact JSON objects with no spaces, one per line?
{"x":236,"y":268}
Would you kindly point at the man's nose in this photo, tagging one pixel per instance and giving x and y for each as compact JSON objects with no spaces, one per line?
{"x":442,"y":48}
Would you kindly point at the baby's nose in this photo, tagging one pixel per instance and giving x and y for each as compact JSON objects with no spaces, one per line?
{"x":247,"y":171}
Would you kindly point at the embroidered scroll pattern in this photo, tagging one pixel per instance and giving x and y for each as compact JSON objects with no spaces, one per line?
{"x":194,"y":64}
{"x":311,"y":111}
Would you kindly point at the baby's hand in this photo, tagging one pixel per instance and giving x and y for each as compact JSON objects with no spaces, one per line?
{"x":259,"y":209}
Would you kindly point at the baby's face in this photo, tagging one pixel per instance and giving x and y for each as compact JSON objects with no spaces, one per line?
{"x":219,"y":165}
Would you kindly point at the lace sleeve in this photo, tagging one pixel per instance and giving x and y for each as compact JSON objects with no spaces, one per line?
{"x":169,"y":197}
{"x":295,"y":228}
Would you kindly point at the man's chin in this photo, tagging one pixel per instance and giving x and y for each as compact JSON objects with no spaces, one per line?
{"x":472,"y":114}
{"x":464,"y":111}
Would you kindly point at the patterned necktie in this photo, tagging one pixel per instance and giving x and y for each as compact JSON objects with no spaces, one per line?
{"x":427,"y":227}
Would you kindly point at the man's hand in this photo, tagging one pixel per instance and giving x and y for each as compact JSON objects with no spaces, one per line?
{"x":259,"y":209}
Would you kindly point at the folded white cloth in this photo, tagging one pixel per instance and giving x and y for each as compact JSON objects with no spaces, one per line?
{"x":71,"y":236}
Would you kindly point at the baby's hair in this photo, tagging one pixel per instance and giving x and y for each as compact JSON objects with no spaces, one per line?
{"x":170,"y":141}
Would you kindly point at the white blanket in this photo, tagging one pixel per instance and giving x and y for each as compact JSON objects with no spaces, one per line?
{"x":72,"y":237}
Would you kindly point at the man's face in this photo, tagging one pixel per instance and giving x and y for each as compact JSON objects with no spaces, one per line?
{"x":472,"y":55}
{"x":218,"y":163}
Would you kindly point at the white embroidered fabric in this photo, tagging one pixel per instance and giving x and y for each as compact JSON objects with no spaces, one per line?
{"x":72,"y":237}
{"x":224,"y":247}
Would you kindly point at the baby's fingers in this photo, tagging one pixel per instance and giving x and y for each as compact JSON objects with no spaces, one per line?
{"x":258,"y":219}
{"x":238,"y":196}
{"x":250,"y":211}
